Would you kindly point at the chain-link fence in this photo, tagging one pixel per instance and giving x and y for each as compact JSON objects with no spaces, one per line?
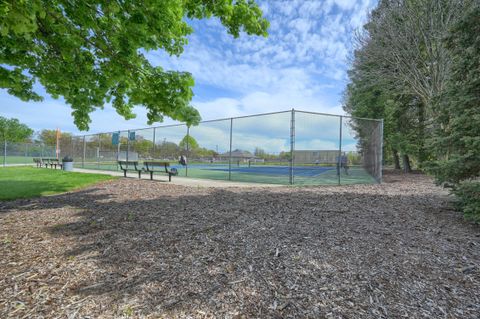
{"x":24,"y":153}
{"x":291,"y":147}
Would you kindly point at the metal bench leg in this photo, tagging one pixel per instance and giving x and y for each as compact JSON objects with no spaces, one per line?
{"x":151,"y":176}
{"x":139,"y":174}
{"x":169,"y":177}
{"x":124,"y":173}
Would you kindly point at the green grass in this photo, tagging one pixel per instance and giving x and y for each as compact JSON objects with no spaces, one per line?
{"x":26,"y":182}
{"x":17,"y":160}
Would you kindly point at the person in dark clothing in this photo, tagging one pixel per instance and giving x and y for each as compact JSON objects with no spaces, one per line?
{"x":183,"y":160}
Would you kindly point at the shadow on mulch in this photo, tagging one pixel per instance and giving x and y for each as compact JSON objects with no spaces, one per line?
{"x":272,"y":253}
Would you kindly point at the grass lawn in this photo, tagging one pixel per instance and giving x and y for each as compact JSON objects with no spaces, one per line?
{"x":26,"y":182}
{"x":17,"y":160}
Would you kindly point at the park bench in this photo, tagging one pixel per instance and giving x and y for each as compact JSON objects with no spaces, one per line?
{"x":160,"y":167}
{"x":45,"y":161}
{"x":53,"y":162}
{"x":38,"y":161}
{"x":130,"y":166}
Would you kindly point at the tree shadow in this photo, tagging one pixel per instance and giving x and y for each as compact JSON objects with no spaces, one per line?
{"x":259,"y":252}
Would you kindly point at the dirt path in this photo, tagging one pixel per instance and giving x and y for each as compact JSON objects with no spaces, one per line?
{"x":135,"y":248}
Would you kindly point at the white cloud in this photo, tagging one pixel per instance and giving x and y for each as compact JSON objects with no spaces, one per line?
{"x":301,"y":65}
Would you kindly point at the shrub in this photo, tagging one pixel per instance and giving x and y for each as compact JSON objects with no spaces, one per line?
{"x":468,"y":199}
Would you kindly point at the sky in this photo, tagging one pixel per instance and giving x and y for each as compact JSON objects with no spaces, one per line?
{"x":302,"y":64}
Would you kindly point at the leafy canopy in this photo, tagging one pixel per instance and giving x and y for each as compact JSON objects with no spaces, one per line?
{"x":91,"y":52}
{"x":49,"y":137}
{"x":188,"y":142}
{"x":11,"y":130}
{"x":457,"y":138}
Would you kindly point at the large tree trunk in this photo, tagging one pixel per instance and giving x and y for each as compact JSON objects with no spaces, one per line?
{"x":396,"y":159}
{"x":406,"y":164}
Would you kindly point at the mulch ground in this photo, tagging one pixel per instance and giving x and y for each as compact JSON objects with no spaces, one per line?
{"x":135,"y":248}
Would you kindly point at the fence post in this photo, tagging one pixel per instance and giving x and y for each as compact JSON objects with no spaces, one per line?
{"x":188,"y":151}
{"x":381,"y":153}
{"x":154,"y":129}
{"x":292,"y":146}
{"x":118,"y":148}
{"x":339,"y":161}
{"x":230,"y":152}
{"x":4,"y":152}
{"x":98,"y":150}
{"x":128,"y":145}
{"x":84,"y":150}
{"x":26,"y":153}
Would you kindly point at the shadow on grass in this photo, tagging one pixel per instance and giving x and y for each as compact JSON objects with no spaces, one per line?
{"x":260,"y":253}
{"x":19,"y":189}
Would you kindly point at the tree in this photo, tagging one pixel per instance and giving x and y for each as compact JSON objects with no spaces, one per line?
{"x":400,"y":67}
{"x":456,"y":141}
{"x":188,"y":142}
{"x":11,"y":130}
{"x":259,"y":152}
{"x":49,"y":137}
{"x":143,"y":146}
{"x":417,"y":65}
{"x":368,"y":96}
{"x":405,"y":37}
{"x":167,"y":150}
{"x":92,"y":52}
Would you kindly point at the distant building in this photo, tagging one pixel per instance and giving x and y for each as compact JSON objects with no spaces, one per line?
{"x":237,"y":155}
{"x":316,"y":156}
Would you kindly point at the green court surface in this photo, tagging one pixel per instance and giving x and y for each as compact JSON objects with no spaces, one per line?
{"x":267,"y":174}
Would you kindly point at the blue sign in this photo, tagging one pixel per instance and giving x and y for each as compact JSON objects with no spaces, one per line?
{"x":115,"y":138}
{"x":131,"y":136}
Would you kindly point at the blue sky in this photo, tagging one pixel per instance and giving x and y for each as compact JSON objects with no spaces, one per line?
{"x":302,"y":65}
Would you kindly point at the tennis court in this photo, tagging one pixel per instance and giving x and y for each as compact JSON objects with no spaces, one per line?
{"x":275,"y":170}
{"x":260,"y":148}
{"x":268,"y":174}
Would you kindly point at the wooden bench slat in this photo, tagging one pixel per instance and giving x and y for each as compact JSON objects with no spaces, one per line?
{"x":150,"y":166}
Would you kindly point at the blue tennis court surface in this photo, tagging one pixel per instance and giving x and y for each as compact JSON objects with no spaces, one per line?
{"x":270,"y":170}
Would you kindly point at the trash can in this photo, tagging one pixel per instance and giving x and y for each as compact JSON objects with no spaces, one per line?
{"x":67,"y":164}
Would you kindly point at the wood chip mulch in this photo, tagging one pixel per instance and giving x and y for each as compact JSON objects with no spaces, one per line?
{"x":140,"y":249}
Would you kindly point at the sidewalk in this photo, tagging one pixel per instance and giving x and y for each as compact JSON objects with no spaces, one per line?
{"x":179,"y":180}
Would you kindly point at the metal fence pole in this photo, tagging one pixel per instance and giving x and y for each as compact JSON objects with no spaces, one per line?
{"x":72,"y":148}
{"x":26,"y":153}
{"x":118,"y":149}
{"x":4,"y":152}
{"x":188,"y":151}
{"x":153,"y":140}
{"x":292,"y":146}
{"x":381,"y":153}
{"x":339,"y":162}
{"x":128,"y":145}
{"x":98,"y":150}
{"x":230,"y":152}
{"x":84,"y":151}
